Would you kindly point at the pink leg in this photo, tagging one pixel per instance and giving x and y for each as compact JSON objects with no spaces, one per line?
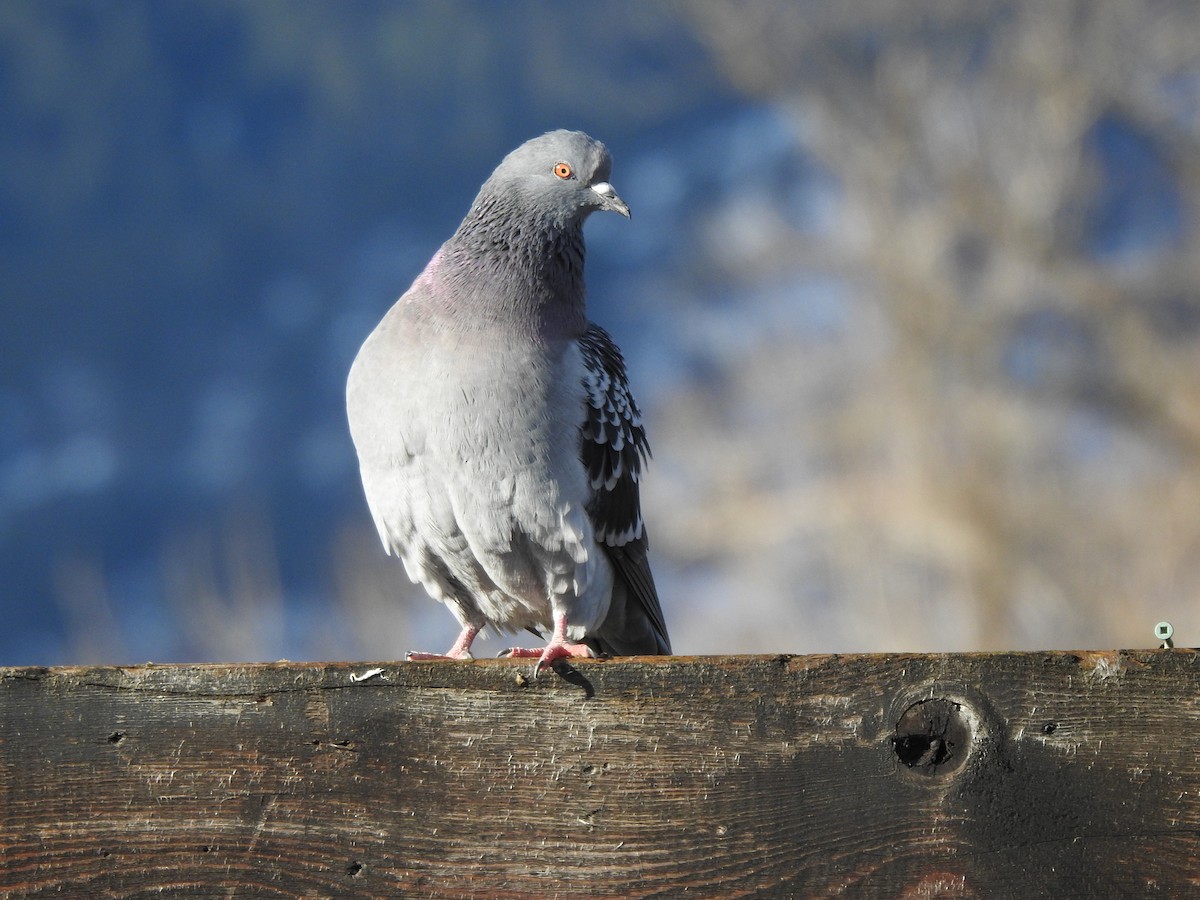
{"x":460,"y":650}
{"x":558,"y":648}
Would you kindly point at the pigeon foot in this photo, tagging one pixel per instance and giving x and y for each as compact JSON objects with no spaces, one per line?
{"x":558,"y":648}
{"x":460,"y":650}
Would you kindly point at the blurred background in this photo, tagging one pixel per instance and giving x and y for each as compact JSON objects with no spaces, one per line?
{"x":910,"y":299}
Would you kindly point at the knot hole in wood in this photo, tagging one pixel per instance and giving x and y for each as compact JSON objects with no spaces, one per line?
{"x":935,"y":737}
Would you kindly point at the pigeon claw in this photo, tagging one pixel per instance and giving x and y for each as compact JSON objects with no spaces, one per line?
{"x":558,"y":648}
{"x":460,"y":650}
{"x":556,"y":651}
{"x":546,"y":657}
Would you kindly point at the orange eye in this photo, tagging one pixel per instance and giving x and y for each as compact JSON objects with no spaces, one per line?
{"x":562,"y":170}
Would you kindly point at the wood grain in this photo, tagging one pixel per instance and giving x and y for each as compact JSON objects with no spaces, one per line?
{"x":998,"y":775}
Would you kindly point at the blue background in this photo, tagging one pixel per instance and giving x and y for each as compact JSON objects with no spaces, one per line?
{"x":206,"y":206}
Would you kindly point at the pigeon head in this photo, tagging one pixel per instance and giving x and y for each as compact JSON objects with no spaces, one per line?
{"x":561,"y":176}
{"x":517,"y":258}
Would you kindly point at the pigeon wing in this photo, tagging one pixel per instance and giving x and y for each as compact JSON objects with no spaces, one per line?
{"x":613,"y":450}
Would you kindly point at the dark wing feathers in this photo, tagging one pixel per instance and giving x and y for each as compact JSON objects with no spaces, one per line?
{"x":613,"y":450}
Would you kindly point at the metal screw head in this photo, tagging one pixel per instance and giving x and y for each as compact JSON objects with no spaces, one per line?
{"x":1163,"y":632}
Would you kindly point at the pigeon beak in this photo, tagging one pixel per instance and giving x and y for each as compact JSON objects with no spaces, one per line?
{"x":609,"y":199}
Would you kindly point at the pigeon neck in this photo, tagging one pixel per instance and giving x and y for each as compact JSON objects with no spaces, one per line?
{"x":515,"y":273}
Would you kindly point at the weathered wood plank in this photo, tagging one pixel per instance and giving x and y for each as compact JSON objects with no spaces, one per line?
{"x":1038,"y":774}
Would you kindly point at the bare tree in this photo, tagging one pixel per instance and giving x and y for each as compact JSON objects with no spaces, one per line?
{"x":1010,"y":424}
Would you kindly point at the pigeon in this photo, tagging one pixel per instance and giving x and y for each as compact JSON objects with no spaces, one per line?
{"x":499,"y":445}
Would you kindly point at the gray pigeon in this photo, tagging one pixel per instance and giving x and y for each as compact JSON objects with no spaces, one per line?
{"x":499,"y":444}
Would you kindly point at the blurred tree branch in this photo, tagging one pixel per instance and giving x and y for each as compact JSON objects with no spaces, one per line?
{"x":964,"y":136}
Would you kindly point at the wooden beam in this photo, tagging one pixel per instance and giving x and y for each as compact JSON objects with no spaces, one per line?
{"x":973,"y":775}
